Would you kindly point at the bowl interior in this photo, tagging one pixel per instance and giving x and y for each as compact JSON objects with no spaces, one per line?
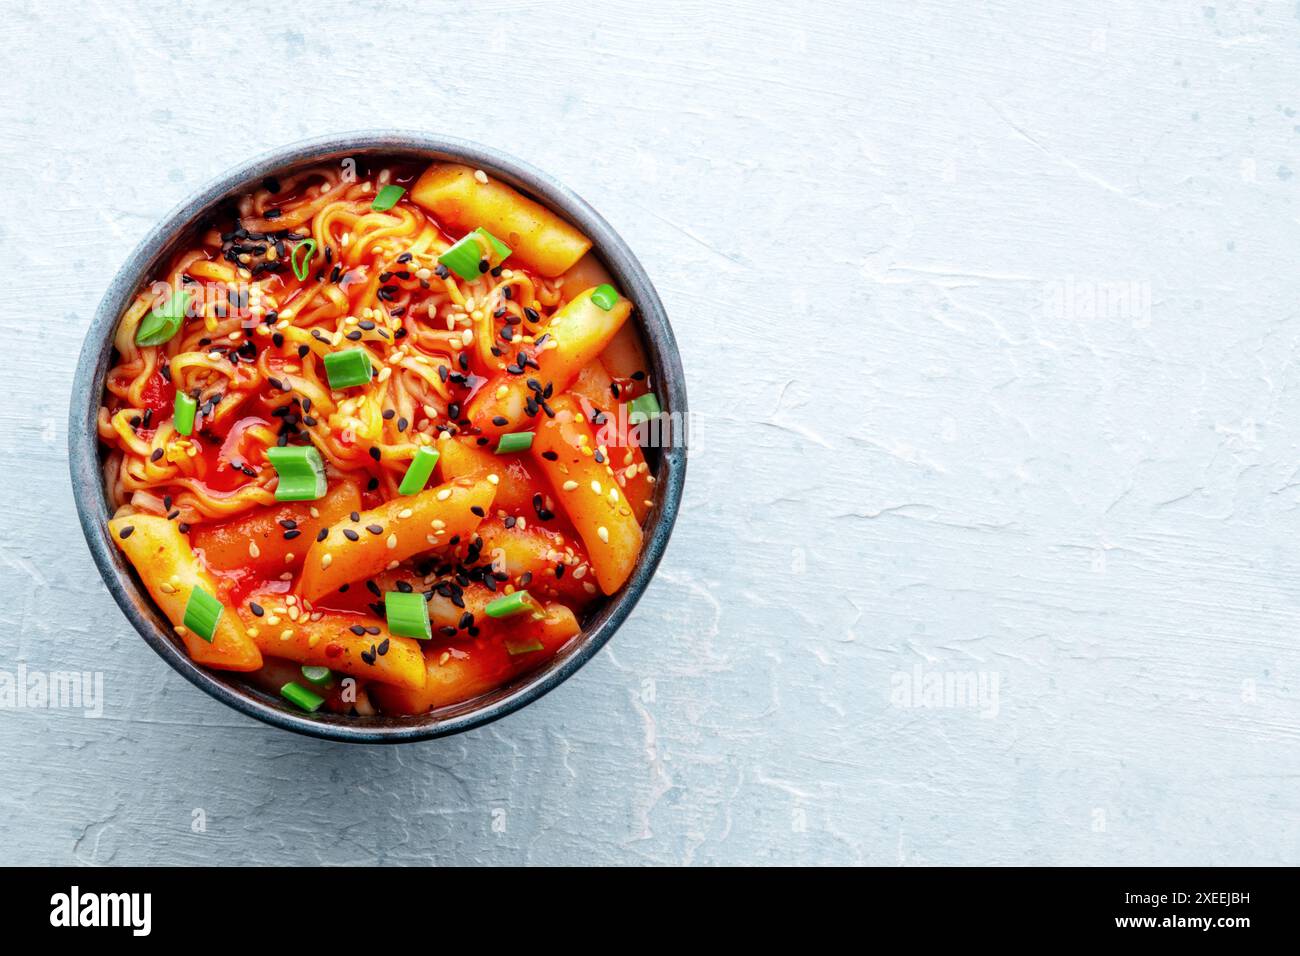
{"x":178,"y":229}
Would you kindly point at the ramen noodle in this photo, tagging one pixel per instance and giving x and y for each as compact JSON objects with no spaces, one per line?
{"x":366,"y":437}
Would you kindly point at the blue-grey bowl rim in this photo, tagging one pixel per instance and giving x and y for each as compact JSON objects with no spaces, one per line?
{"x":86,"y":468}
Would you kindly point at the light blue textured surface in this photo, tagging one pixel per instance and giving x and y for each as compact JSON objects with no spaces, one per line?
{"x":989,"y":314}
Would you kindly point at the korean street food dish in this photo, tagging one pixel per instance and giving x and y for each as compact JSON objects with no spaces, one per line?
{"x":370,"y":438}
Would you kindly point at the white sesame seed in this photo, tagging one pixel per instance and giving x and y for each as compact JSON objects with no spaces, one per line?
{"x":569,"y":485}
{"x":603,"y":533}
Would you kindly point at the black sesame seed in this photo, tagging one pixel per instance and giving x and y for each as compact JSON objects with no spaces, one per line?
{"x":256,"y":608}
{"x":351,"y":535}
{"x":126,"y":532}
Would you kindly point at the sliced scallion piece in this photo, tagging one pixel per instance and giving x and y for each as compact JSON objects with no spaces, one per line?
{"x":301,"y":471}
{"x":183,"y":413}
{"x":605,"y":297}
{"x":202,"y":611}
{"x":318,"y":675}
{"x":163,"y":321}
{"x":465,"y":257}
{"x":525,"y":646}
{"x":348,"y":368}
{"x":301,"y":258}
{"x":418,"y":472}
{"x":387,"y":198}
{"x":509,"y":605}
{"x":300,"y":696}
{"x":408,"y":614}
{"x":515,"y":441}
{"x":643,"y":408}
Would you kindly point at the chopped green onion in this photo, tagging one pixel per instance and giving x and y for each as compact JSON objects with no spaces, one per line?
{"x":643,"y":408}
{"x":163,"y":321}
{"x":183,"y":413}
{"x":417,"y":474}
{"x":511,"y":604}
{"x":604,"y":296}
{"x":202,"y":611}
{"x":466,"y":256}
{"x":315,"y":674}
{"x":515,"y":441}
{"x":301,"y":471}
{"x":387,"y":198}
{"x":301,"y":696}
{"x":301,"y":258}
{"x":515,"y":646}
{"x":408,"y":615}
{"x":348,"y":368}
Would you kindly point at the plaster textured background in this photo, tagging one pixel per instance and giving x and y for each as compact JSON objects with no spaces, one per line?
{"x":989,"y":312}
